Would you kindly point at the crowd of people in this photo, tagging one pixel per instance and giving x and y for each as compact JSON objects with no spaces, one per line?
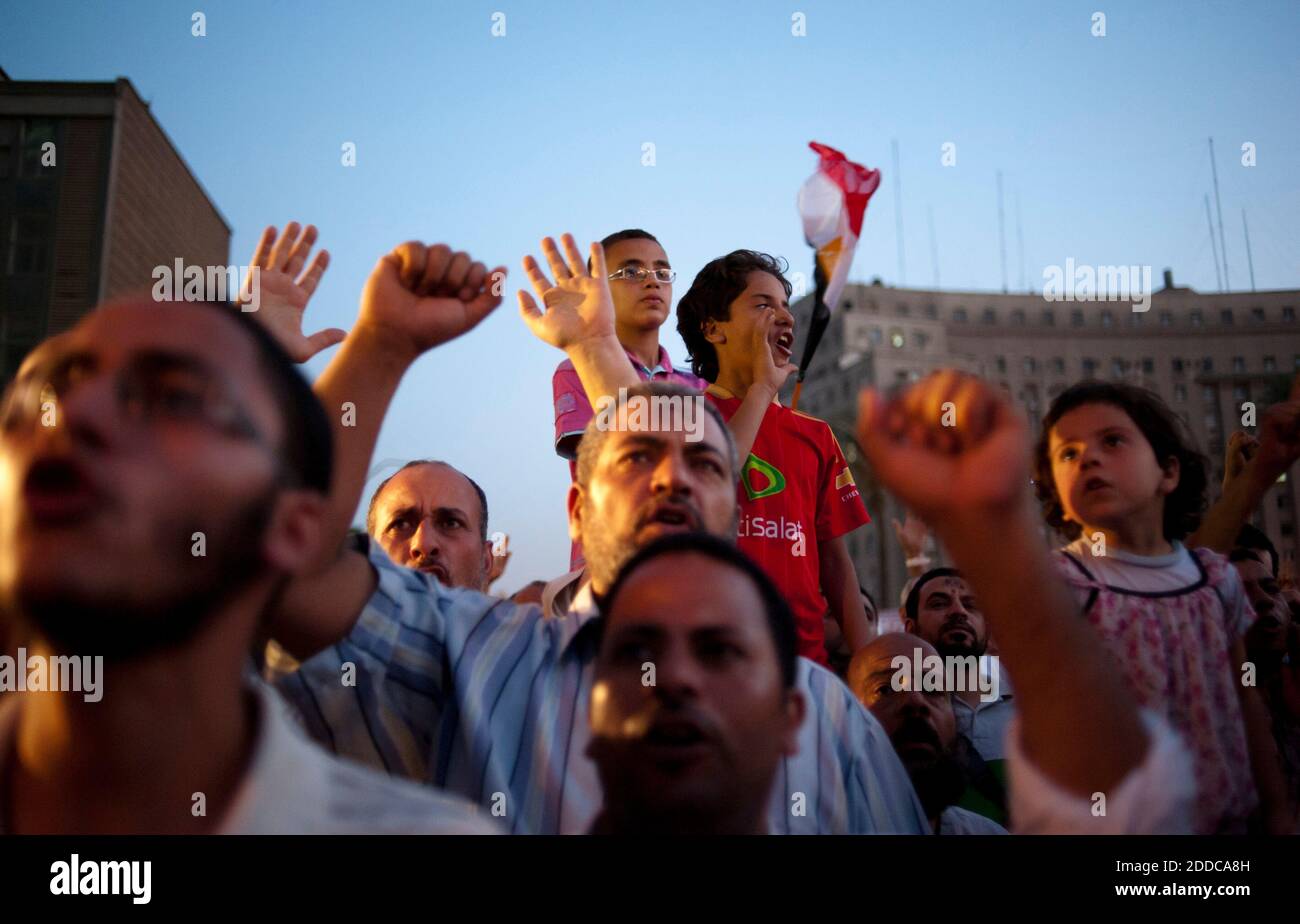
{"x":177,"y":499}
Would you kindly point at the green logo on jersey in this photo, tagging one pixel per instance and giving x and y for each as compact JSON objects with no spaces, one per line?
{"x":775,"y":480}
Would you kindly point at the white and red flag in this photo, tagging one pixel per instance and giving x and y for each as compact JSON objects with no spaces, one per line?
{"x":832,"y":204}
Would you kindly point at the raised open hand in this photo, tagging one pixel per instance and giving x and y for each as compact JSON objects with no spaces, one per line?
{"x":420,"y":296}
{"x":578,"y":306}
{"x":277,"y":294}
{"x":951,"y":447}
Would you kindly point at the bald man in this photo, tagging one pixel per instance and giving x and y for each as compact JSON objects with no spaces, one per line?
{"x":922,"y":727}
{"x":432,"y":517}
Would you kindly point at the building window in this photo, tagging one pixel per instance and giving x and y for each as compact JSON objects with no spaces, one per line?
{"x":1166,"y":319}
{"x":1048,"y":319}
{"x":959,"y":315}
{"x":1058,"y":365}
{"x":1257,"y":315}
{"x":1207,"y":394}
{"x":1177,"y":364}
{"x":29,"y":245}
{"x":1207,"y":364}
{"x":1017,"y":318}
{"x":1288,"y":314}
{"x":1180,"y":392}
{"x":1030,"y":365}
{"x":1195,"y":318}
{"x":920,"y":338}
{"x":1107,"y":319}
{"x":1240,"y":393}
{"x":1000,"y":363}
{"x":1076,"y":318}
{"x":1225,"y":317}
{"x":1118,"y":367}
{"x":1238,"y":364}
{"x":36,"y":134}
{"x":875,"y":336}
{"x":1270,"y":364}
{"x":931,"y":312}
{"x":903,"y":310}
{"x":1148,"y":365}
{"x":1089,"y":368}
{"x":989,"y":317}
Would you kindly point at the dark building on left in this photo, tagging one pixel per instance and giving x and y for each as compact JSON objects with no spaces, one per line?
{"x":93,"y":197}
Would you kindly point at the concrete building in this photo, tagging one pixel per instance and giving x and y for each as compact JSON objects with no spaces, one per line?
{"x":93,"y":196}
{"x":1207,"y":354}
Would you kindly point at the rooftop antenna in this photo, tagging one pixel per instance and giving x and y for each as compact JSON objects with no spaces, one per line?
{"x":1020,"y":242}
{"x":1218,"y":277}
{"x":934,"y":245}
{"x":1218,"y":207}
{"x":898,"y":216}
{"x":1249,"y":262}
{"x":1002,"y":234}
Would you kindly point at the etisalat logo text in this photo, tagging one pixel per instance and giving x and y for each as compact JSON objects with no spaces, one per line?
{"x":1084,"y":283}
{"x":53,"y":674}
{"x":216,"y":283}
{"x":76,"y":876}
{"x":951,"y":674}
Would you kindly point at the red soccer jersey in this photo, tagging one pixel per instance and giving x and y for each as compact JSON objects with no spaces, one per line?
{"x":796,"y":491}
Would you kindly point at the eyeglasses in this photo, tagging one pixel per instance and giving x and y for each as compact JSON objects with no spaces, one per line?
{"x":153,"y":389}
{"x":639,"y":274}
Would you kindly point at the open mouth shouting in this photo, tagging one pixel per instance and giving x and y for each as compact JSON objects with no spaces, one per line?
{"x":672,"y":516}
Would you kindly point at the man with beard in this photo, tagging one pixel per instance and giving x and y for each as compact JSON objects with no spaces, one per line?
{"x":163,"y":472}
{"x":941,"y":609}
{"x":923,"y":729}
{"x":695,"y":702}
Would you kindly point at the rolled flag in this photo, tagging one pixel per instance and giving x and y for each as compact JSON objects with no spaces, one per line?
{"x":832,"y":204}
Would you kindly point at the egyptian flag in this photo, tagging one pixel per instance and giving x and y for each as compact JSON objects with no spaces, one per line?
{"x":832,"y":204}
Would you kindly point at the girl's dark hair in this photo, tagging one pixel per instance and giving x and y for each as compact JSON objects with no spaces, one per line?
{"x":709,"y":299}
{"x":1162,"y":429}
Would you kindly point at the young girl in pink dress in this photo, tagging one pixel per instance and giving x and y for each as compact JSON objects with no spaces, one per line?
{"x":1117,"y":474}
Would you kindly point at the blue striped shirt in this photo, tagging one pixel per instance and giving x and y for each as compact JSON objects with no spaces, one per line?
{"x":489,"y":700}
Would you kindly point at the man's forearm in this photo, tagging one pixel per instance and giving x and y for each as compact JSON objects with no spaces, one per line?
{"x":1223,"y":521}
{"x":1037,"y":624}
{"x":355,"y":390}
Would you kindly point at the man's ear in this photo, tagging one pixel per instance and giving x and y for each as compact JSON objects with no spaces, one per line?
{"x":795,"y":709}
{"x":712,"y":332}
{"x":292,"y":538}
{"x":909,"y":626}
{"x":488,"y":560}
{"x":573,"y":502}
{"x":1171,"y":471}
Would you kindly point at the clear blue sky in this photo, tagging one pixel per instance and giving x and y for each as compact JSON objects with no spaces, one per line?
{"x":489,"y":143}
